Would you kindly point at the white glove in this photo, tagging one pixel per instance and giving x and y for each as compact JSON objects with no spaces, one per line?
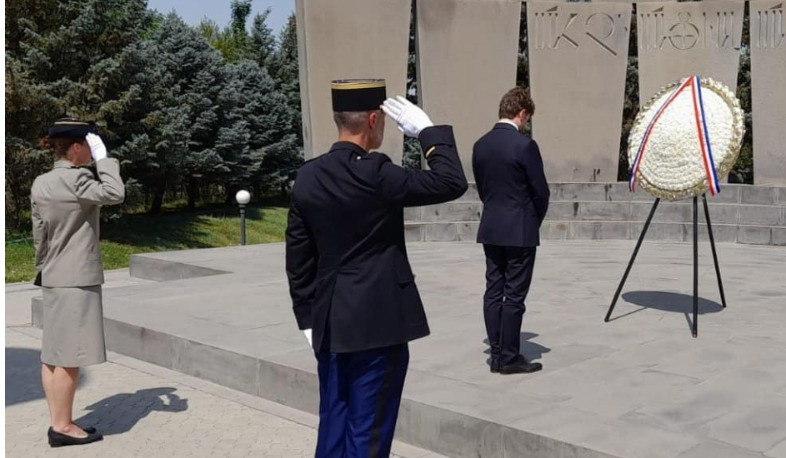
{"x":307,"y":333}
{"x":409,"y":117}
{"x":97,"y":147}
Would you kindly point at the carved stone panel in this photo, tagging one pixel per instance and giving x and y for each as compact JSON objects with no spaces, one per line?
{"x":768,"y":91}
{"x":467,"y":57}
{"x":578,"y":59}
{"x":689,"y":38}
{"x":342,"y":39}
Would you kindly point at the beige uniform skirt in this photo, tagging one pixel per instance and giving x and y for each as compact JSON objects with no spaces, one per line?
{"x":73,"y":327}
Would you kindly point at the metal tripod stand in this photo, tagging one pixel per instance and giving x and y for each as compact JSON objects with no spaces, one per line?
{"x":695,"y":324}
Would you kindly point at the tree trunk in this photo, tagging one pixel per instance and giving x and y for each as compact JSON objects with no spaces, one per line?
{"x":230,"y":196}
{"x":193,"y":193}
{"x":158,"y":199}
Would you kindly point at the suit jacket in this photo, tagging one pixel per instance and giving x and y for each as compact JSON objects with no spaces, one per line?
{"x":512,"y":185}
{"x":65,"y":212}
{"x":346,"y":261}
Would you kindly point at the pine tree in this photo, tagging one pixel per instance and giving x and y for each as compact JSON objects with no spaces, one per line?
{"x":63,"y":58}
{"x":262,"y":41}
{"x":285,"y":72}
{"x":171,"y":130}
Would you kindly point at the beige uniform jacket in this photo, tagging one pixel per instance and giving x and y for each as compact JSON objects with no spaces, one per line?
{"x":65,"y":210}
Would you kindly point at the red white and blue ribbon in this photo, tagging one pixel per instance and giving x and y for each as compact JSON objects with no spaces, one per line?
{"x":694,"y":83}
{"x":704,"y":138}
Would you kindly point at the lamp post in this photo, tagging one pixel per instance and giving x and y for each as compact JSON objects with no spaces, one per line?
{"x":242,"y":197}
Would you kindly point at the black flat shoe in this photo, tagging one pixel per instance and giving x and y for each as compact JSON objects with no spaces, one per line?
{"x":87,"y":429}
{"x":521,"y":366}
{"x":61,"y":440}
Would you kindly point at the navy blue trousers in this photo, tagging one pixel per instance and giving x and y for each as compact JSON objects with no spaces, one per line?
{"x":360,"y":393}
{"x":508,"y":277}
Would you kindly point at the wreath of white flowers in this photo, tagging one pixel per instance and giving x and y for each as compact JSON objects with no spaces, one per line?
{"x":671,"y":164}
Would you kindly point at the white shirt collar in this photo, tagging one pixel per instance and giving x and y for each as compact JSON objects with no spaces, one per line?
{"x":508,"y":121}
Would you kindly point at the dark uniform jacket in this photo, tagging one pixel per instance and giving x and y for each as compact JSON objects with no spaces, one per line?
{"x":512,"y":185}
{"x":346,"y":260}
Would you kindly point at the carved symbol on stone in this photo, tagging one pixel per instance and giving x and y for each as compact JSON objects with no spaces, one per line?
{"x":599,"y":39}
{"x":564,"y":35}
{"x":772,"y":31}
{"x":684,"y":34}
{"x":723,"y":27}
{"x":547,"y":34}
{"x":651,"y":30}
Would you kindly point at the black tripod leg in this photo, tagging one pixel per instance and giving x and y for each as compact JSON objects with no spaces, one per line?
{"x":632,"y":258}
{"x":695,"y":266}
{"x":714,"y":253}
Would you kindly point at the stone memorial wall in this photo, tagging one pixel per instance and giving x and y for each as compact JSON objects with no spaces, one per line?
{"x":467,"y":56}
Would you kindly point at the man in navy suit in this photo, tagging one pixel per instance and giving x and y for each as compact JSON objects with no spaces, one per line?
{"x":512,"y":185}
{"x":349,"y":277}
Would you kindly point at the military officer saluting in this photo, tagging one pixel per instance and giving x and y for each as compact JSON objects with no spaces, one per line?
{"x":66,"y":204}
{"x":350,"y":280}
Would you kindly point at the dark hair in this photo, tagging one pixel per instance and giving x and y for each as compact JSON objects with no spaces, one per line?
{"x":59,"y":145}
{"x":514,"y":101}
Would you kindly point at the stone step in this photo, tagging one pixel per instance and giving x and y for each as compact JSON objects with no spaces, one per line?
{"x":731,"y":193}
{"x":607,"y":230}
{"x":597,"y":211}
{"x":667,"y":212}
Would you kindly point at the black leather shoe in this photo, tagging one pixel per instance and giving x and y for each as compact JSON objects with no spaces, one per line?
{"x":61,"y":440}
{"x":494,"y":366}
{"x":521,"y":366}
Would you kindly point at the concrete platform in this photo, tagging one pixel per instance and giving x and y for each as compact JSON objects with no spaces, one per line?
{"x":639,"y":386}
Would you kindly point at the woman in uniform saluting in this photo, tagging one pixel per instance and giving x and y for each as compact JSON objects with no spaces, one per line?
{"x":65,"y":210}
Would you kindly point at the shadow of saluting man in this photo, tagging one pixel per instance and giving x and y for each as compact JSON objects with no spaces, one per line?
{"x":119,"y":413}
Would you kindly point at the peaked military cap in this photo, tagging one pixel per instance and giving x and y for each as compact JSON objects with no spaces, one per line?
{"x":358,"y":94}
{"x":70,"y":128}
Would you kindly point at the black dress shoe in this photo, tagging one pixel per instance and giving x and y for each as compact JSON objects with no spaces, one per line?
{"x":520,"y":366}
{"x":60,"y":440}
{"x":494,"y":367}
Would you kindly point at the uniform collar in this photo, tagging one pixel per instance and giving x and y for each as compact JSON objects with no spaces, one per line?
{"x":63,"y":164}
{"x":348,"y":146}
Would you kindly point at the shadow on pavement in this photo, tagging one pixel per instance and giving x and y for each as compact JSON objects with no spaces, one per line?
{"x":119,"y":413}
{"x":670,"y":302}
{"x":23,"y":375}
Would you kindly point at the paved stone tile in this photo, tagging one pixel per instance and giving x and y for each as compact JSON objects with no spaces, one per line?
{"x":639,"y":386}
{"x":147,"y":411}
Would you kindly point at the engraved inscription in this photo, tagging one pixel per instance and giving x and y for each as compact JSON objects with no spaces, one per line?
{"x":772,"y":31}
{"x":606,"y":30}
{"x":683,"y":32}
{"x":554,"y":29}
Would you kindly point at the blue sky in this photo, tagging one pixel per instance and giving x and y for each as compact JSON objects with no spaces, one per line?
{"x":219,"y":10}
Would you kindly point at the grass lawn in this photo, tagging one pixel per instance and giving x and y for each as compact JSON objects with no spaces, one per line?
{"x":146,"y":233}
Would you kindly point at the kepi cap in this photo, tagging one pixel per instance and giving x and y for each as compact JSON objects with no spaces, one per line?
{"x":70,"y":128}
{"x":358,"y":94}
